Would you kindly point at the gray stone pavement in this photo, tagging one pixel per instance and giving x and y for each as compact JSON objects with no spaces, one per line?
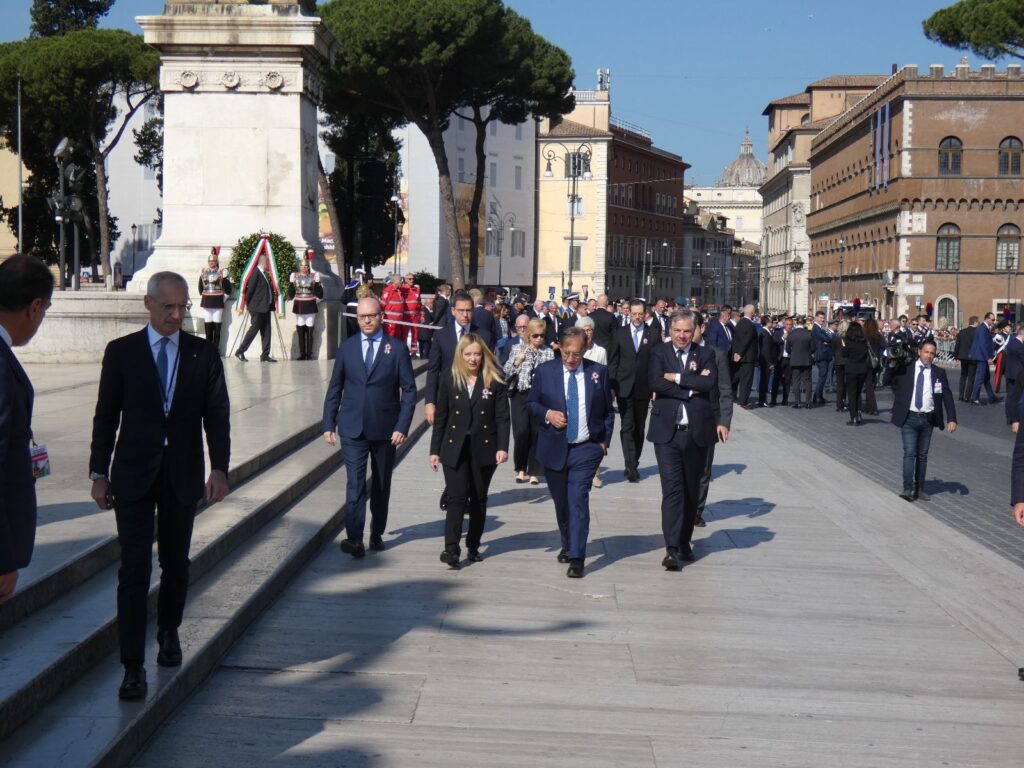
{"x":826,"y":622}
{"x":268,"y":403}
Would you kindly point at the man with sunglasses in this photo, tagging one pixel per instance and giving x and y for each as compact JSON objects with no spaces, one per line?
{"x":159,"y":390}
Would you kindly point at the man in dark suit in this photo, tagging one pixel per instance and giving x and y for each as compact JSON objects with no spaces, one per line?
{"x":922,"y":401}
{"x":1013,"y":367}
{"x":26,"y":286}
{"x":823,"y":336}
{"x":659,"y":320}
{"x":768,"y":355}
{"x":800,"y":346}
{"x":723,"y":413}
{"x":962,"y":352}
{"x":684,"y":378}
{"x":571,"y":400}
{"x":604,"y":322}
{"x":983,"y":353}
{"x":484,"y":318}
{"x":627,"y":363}
{"x":260,"y":300}
{"x":555,"y":324}
{"x":745,"y":352}
{"x":369,"y":403}
{"x":442,"y":351}
{"x":160,"y":389}
{"x":719,"y":333}
{"x":783,"y":373}
{"x":439,"y":315}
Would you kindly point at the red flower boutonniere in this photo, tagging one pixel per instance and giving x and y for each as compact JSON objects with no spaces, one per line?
{"x":486,"y":394}
{"x":387,"y":349}
{"x":595,"y":377}
{"x":644,"y":340}
{"x":693,"y":365}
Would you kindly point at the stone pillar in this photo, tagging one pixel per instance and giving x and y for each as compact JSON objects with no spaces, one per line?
{"x":240,"y":82}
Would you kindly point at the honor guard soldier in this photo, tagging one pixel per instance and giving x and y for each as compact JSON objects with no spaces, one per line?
{"x":393,"y":299}
{"x":413,"y":312}
{"x":214,"y":288}
{"x":306,"y":289}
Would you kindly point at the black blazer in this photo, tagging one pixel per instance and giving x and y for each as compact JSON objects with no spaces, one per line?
{"x":800,"y":345}
{"x":17,"y":485}
{"x":553,"y":328}
{"x":903,"y":392}
{"x":1017,"y":470}
{"x":744,"y":341}
{"x":441,"y":312}
{"x":697,"y":391}
{"x":964,"y":340}
{"x":856,"y":356}
{"x":486,"y":320}
{"x":130,"y":406}
{"x":604,"y":326}
{"x":628,"y":367}
{"x":442,"y":354}
{"x":769,"y":347}
{"x":259,"y":296}
{"x":478,"y":416}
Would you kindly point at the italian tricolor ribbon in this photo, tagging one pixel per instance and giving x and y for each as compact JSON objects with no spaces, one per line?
{"x":263,"y":246}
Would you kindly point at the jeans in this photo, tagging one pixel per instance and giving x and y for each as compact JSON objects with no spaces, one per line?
{"x":917,"y":438}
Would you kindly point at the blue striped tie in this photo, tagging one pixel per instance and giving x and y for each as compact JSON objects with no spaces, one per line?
{"x":572,"y":405}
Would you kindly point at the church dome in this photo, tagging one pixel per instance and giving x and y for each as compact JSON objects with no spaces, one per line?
{"x":746,"y":170}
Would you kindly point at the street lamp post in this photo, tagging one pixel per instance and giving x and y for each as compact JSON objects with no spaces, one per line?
{"x":577,"y":163}
{"x":135,"y":229}
{"x":795,"y":267}
{"x":496,"y":224}
{"x":394,"y":203}
{"x":842,"y":254}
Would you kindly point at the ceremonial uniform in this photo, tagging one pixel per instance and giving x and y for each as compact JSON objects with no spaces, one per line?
{"x":413,"y":314}
{"x":214,"y":287}
{"x":393,"y":301}
{"x":306,"y":289}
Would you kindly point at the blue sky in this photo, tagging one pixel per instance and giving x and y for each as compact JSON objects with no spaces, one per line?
{"x":696,"y":74}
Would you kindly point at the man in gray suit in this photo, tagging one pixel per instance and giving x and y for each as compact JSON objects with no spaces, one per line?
{"x":800,"y":345}
{"x":26,"y":286}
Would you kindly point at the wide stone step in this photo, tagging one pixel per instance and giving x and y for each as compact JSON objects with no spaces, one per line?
{"x":86,"y":725}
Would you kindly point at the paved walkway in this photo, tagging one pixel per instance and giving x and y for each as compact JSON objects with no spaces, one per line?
{"x":826,"y":622}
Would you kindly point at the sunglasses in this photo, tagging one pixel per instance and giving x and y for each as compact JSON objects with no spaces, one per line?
{"x":536,"y":335}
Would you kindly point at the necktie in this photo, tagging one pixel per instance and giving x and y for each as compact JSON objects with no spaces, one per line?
{"x":572,"y":405}
{"x":368,"y":360}
{"x":919,"y":389}
{"x":636,"y":339}
{"x":161,"y":365}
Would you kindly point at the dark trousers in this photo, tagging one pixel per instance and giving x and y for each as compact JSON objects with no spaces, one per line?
{"x":763,"y":375}
{"x":801,"y":383}
{"x":917,"y":439}
{"x":633,"y":413}
{"x":680,"y":465}
{"x":982,"y":377}
{"x":819,"y":387}
{"x":840,"y":371}
{"x":705,"y":480}
{"x":967,"y":374}
{"x":424,"y":348}
{"x":854,"y":386}
{"x":524,"y":434}
{"x":467,"y":483}
{"x":381,"y":456}
{"x":135,"y":535}
{"x":259,"y":322}
{"x":743,"y":381}
{"x":781,"y":377}
{"x":870,"y":401}
{"x":570,"y":490}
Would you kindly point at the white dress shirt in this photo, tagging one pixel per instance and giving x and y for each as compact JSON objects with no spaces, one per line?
{"x":6,"y":337}
{"x":682,"y":417}
{"x":927,"y":397}
{"x":583,"y":433}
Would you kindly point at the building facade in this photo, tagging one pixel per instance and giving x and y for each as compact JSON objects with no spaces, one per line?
{"x":506,"y":211}
{"x":793,"y":122}
{"x":712,"y":273}
{"x":736,"y":195}
{"x":917,"y":195}
{"x":609,"y":205}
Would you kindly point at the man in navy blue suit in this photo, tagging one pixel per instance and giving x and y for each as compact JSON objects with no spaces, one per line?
{"x":369,"y":403}
{"x":922,"y":401}
{"x":571,"y":399}
{"x":982,"y":353}
{"x":822,"y":335}
{"x":684,"y":379}
{"x":719,"y":333}
{"x":26,"y":286}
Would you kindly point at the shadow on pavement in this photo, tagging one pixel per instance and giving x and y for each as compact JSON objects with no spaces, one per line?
{"x":750,"y":507}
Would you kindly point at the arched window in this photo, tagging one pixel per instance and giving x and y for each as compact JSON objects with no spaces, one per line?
{"x":1009,"y":156}
{"x":950,"y":151}
{"x":1008,"y":248}
{"x":947,"y":247}
{"x":946,"y":309}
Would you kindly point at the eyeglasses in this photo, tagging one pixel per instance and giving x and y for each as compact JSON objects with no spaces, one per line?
{"x":571,"y":355}
{"x":168,"y":308}
{"x":367,"y":318}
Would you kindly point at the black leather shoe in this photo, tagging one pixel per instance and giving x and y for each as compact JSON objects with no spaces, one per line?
{"x":907,"y":494}
{"x":699,"y":523}
{"x":671,"y":560}
{"x":451,"y":559}
{"x":267,"y":360}
{"x":377,"y":544}
{"x":353,"y":547}
{"x":475,"y":556}
{"x":797,"y":405}
{"x":563,"y":556}
{"x":443,"y":503}
{"x":133,"y":687}
{"x":632,"y":476}
{"x":170,"y":648}
{"x":240,"y":356}
{"x":686,"y":554}
{"x":922,"y":496}
{"x":575,"y":569}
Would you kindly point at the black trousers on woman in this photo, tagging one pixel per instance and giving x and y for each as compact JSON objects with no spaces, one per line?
{"x":854,"y":387}
{"x":466,"y":484}
{"x":841,"y":388}
{"x":524,"y":434}
{"x":870,"y":401}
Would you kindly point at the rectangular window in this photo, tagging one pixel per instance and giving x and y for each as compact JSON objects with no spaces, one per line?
{"x":518,"y":243}
{"x":577,"y":209}
{"x":493,"y":174}
{"x":576,"y":257}
{"x":494,"y":127}
{"x":519,"y":177}
{"x":491,"y":244}
{"x":462,"y":169}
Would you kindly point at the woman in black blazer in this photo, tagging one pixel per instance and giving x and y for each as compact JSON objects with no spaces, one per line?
{"x":470,"y":439}
{"x":855,"y":344}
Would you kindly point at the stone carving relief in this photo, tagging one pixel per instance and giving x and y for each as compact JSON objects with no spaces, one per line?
{"x":799,"y":217}
{"x":274,"y":81}
{"x":231,"y":80}
{"x":310,"y":170}
{"x":188,"y":79}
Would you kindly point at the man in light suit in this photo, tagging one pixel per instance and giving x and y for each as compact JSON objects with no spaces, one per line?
{"x":922,"y":401}
{"x":571,"y":399}
{"x":684,"y":378}
{"x":160,"y":389}
{"x":26,"y":286}
{"x":369,"y":403}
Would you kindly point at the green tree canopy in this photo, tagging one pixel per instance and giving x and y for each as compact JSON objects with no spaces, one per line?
{"x":58,"y":17}
{"x":988,"y":28}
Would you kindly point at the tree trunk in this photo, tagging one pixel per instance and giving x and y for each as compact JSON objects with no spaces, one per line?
{"x":444,"y":182}
{"x":102,"y":194}
{"x":332,"y":214}
{"x":478,"y":196}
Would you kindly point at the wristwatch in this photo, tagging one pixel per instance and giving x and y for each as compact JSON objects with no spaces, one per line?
{"x":94,"y":476}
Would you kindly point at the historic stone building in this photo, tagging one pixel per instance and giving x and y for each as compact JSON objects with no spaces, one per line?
{"x":622,"y":233}
{"x":736,"y":194}
{"x":916,"y":195}
{"x":793,"y":122}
